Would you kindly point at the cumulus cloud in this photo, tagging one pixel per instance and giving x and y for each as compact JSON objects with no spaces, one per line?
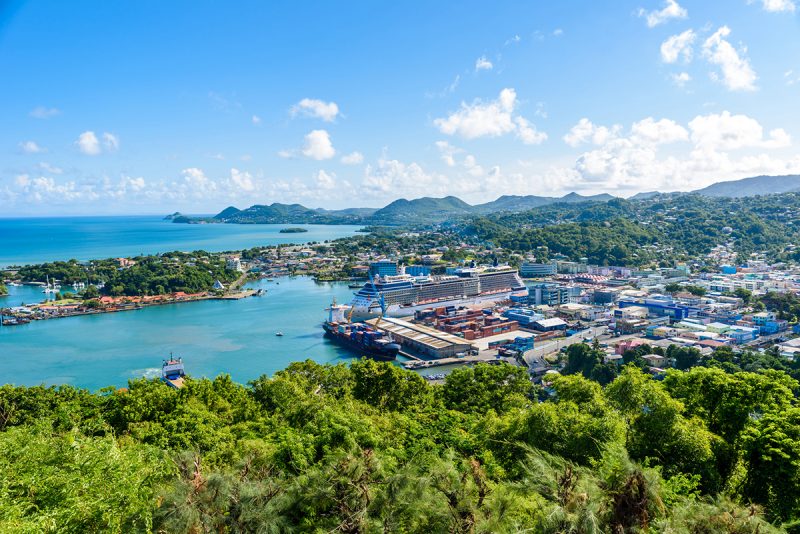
{"x":587,"y":132}
{"x":88,"y":143}
{"x":528,"y":133}
{"x":31,"y":147}
{"x":395,"y":177}
{"x":681,"y":79}
{"x":325,"y":181}
{"x":242,"y":180}
{"x":724,"y":131}
{"x":110,"y":141}
{"x":483,"y":64}
{"x":448,"y":152}
{"x":778,"y":6}
{"x":658,"y":132}
{"x":318,"y":145}
{"x":671,"y":10}
{"x":633,"y":160}
{"x":490,"y":119}
{"x":678,"y":46}
{"x":736,"y":72}
{"x":42,"y":112}
{"x":319,"y":109}
{"x":353,"y":158}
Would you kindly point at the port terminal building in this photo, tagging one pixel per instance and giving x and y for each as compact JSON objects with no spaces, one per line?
{"x":422,"y":340}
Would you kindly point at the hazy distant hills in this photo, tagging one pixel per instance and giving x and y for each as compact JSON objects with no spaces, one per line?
{"x":757,"y":185}
{"x":427,"y":209}
{"x":401,"y":211}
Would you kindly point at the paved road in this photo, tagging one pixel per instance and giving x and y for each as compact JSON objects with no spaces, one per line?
{"x":534,"y":356}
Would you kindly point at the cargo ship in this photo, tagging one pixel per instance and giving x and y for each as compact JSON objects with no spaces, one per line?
{"x":402,"y":295}
{"x":358,"y":337}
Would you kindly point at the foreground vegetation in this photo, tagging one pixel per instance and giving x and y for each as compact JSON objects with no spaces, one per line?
{"x":374,"y":448}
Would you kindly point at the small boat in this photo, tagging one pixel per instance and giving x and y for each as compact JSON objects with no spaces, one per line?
{"x":355,"y":286}
{"x":279,"y":334}
{"x":172,"y":372}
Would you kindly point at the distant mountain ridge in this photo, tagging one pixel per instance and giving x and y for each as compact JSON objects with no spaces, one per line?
{"x":748,"y":187}
{"x":429,"y":209}
{"x":400,"y":211}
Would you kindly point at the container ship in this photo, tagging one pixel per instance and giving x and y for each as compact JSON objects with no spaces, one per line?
{"x":358,"y":337}
{"x":403,"y":294}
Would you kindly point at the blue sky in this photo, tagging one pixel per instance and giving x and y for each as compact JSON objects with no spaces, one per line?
{"x":151,"y":107}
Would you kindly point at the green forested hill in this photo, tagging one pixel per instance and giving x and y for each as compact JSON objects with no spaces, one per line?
{"x":660,"y":229}
{"x":373,"y":448}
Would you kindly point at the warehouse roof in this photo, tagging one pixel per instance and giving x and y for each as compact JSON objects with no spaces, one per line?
{"x":419,"y":333}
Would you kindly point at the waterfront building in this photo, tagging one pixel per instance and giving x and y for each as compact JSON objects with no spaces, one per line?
{"x":383,"y":268}
{"x":550,"y":294}
{"x":422,"y":340}
{"x":418,"y":270}
{"x":535,"y":270}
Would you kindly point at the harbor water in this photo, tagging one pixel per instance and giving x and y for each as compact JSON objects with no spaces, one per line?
{"x":212,"y":336}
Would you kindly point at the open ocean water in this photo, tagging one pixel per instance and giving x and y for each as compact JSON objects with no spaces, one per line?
{"x":38,"y":240}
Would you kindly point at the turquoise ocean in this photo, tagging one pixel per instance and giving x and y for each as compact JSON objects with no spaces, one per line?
{"x":213,"y":337}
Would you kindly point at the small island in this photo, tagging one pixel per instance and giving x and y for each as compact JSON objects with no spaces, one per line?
{"x":294,"y":230}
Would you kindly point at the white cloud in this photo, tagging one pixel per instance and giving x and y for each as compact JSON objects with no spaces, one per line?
{"x":586,"y":132}
{"x":46,"y":167}
{"x":397,"y":178}
{"x":310,"y":107}
{"x":325,"y":181}
{"x":681,"y":79}
{"x":483,"y":64}
{"x":318,"y":145}
{"x":88,"y":143}
{"x":286,"y":154}
{"x":558,"y":32}
{"x":633,"y":162}
{"x":354,"y":158}
{"x":255,"y":119}
{"x":678,"y":46}
{"x":110,"y":141}
{"x":737,"y":74}
{"x":31,"y":147}
{"x":513,"y":40}
{"x":658,"y":132}
{"x":42,"y":112}
{"x":490,"y":119}
{"x":528,"y":133}
{"x":242,"y":180}
{"x":670,"y":11}
{"x":724,"y":131}
{"x":198,"y":182}
{"x":448,"y":152}
{"x":778,"y":6}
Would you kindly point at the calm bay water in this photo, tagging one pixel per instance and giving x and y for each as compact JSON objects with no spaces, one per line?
{"x":213,"y":337}
{"x":37,"y":240}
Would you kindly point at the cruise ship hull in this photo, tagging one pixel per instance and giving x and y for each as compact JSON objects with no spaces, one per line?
{"x":361,"y":313}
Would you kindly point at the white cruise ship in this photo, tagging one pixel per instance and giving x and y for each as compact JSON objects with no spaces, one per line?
{"x":403,"y":294}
